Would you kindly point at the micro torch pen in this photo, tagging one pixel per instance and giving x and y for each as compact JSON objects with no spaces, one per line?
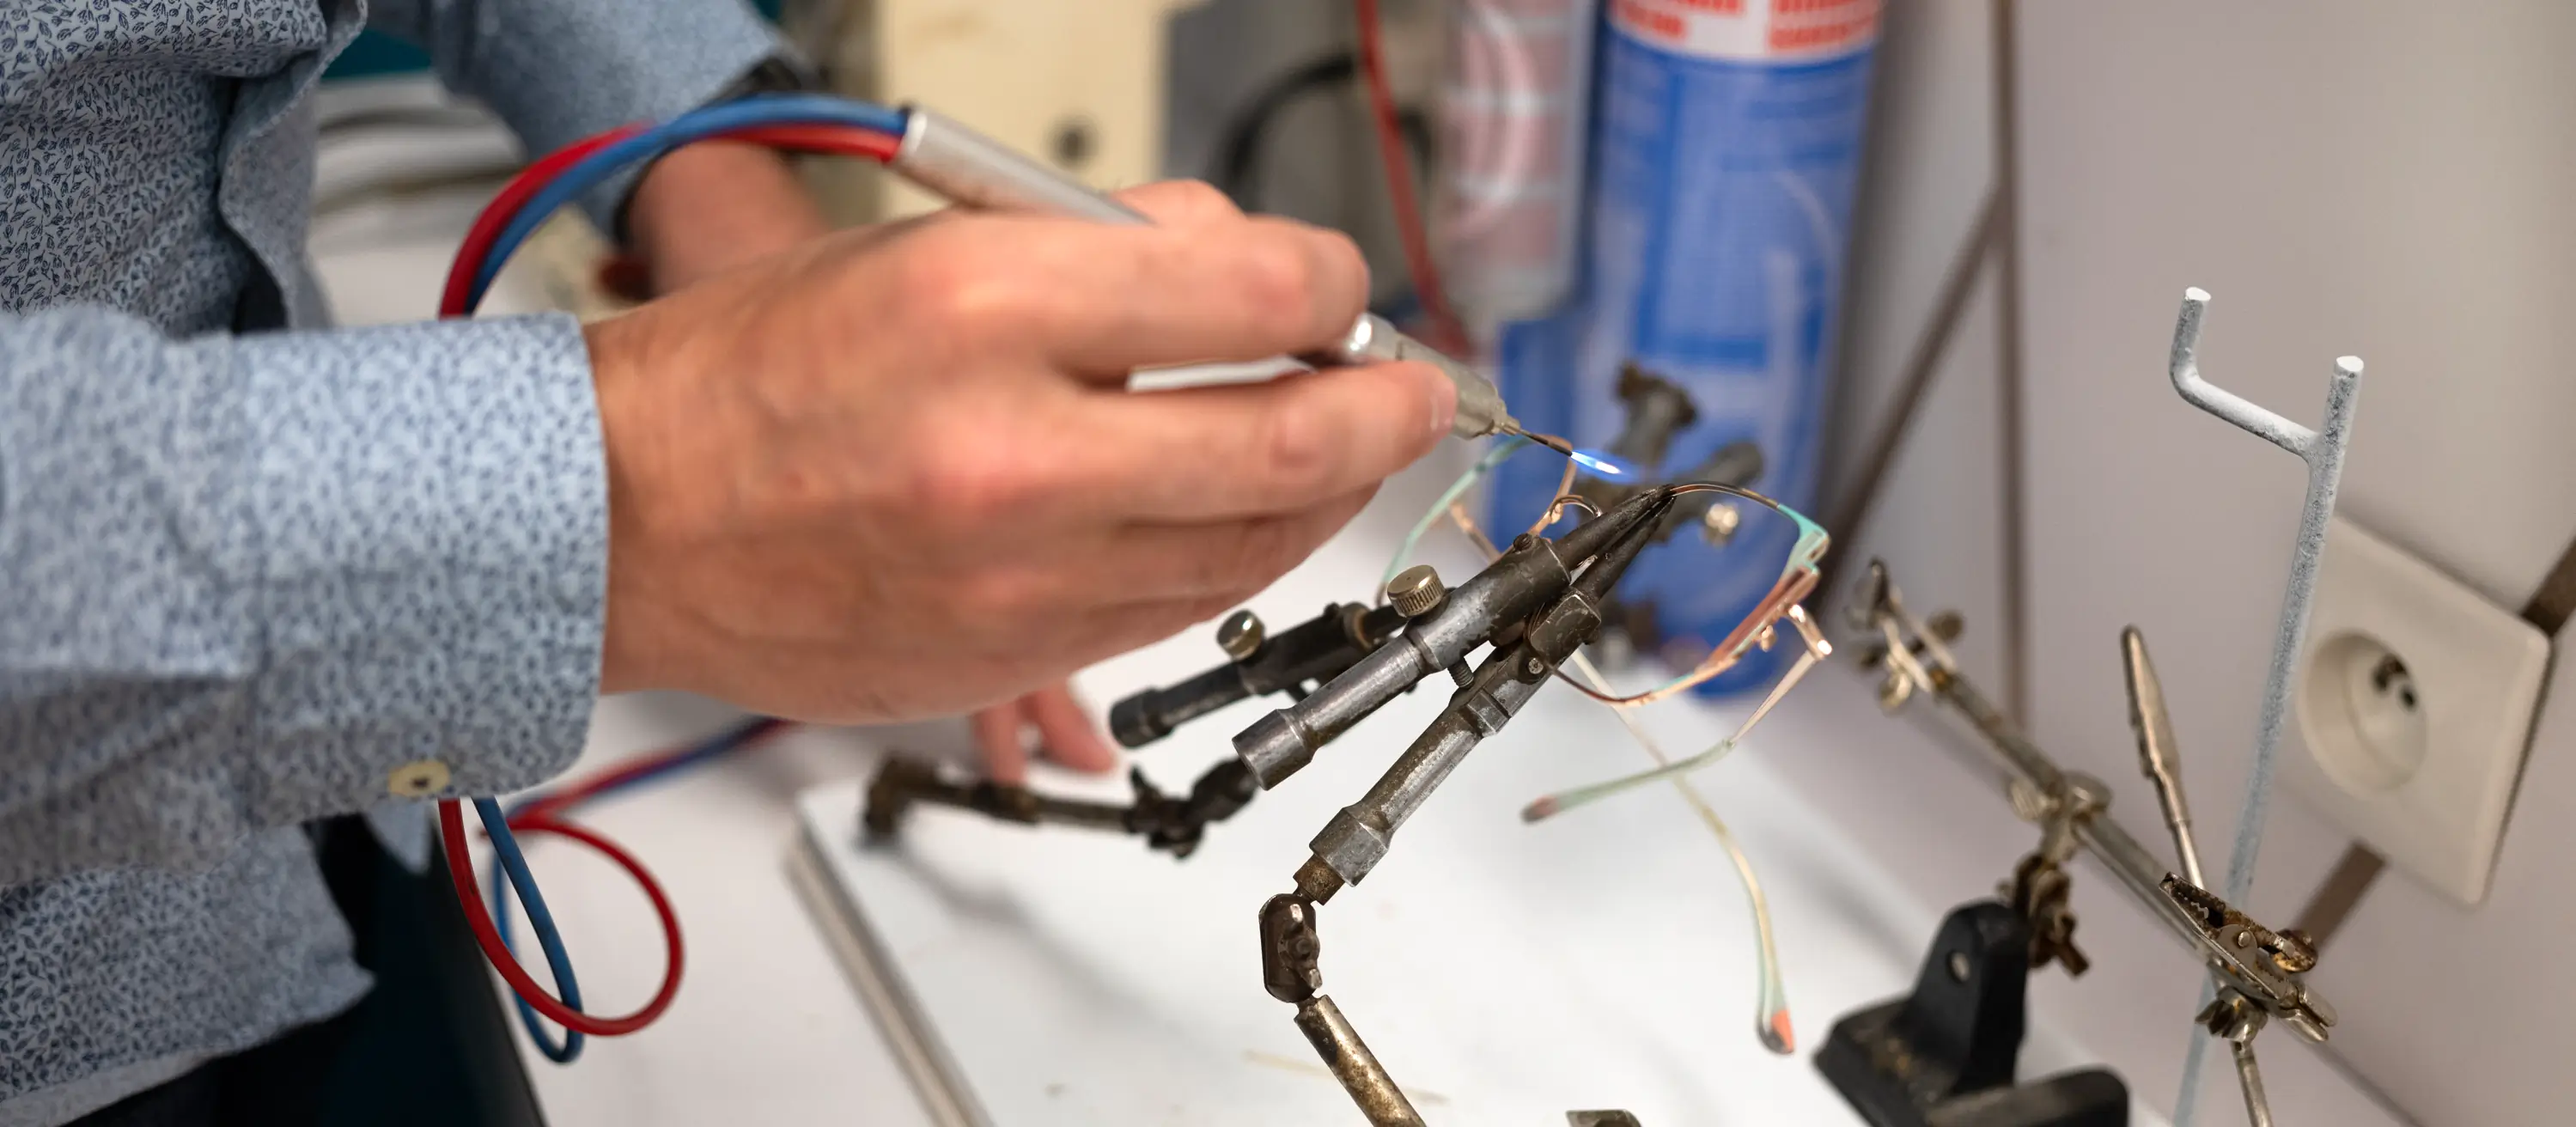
{"x":973,"y":170}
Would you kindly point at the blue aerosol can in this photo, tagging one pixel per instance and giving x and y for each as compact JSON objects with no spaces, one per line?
{"x":1725,"y":147}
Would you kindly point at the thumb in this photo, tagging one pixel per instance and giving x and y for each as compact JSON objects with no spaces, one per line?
{"x":998,"y":731}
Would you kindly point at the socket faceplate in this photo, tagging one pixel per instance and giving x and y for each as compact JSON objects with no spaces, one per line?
{"x":2415,"y":703}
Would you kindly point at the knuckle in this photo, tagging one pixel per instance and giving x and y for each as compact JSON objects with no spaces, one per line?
{"x":958,"y":486}
{"x":1182,"y":203}
{"x":1272,"y":547}
{"x":1297,"y":449}
{"x":924,"y":262}
{"x":1000,"y":595}
{"x":1197,"y":197}
{"x":1341,"y":254}
{"x":1250,"y":559}
{"x":1279,"y":281}
{"x":947,"y":280}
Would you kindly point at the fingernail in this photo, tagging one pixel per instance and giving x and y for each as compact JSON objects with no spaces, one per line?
{"x":1444,"y":403}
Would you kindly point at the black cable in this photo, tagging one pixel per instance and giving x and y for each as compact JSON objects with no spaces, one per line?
{"x":1236,"y":170}
{"x":1238,"y":150}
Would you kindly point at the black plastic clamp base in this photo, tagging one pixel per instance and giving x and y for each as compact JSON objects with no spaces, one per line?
{"x":1944,"y":1055}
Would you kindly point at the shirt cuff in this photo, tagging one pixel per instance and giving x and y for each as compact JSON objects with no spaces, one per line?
{"x":584,"y":66}
{"x":432,"y":508}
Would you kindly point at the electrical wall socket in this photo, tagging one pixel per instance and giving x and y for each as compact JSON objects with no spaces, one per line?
{"x":2415,"y":702}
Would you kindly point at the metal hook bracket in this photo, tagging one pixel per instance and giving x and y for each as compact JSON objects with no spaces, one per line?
{"x":2323,"y":451}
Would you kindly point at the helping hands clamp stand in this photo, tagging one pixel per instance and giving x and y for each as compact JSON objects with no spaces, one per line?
{"x":1943,"y":1057}
{"x":2256,"y":974}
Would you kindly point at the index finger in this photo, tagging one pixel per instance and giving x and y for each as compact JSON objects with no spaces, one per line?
{"x":1181,"y":204}
{"x":999,"y":732}
{"x":1100,"y":300}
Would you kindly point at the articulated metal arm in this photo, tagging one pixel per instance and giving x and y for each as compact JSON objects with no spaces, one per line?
{"x":1358,"y":837}
{"x":1534,"y":571}
{"x":1290,"y":950}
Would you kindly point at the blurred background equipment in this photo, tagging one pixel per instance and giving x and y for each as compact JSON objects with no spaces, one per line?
{"x":1726,"y":151}
{"x":1514,"y":103}
{"x":1079,"y":85}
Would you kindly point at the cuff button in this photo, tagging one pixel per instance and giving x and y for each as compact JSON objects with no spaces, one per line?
{"x":419,"y":778}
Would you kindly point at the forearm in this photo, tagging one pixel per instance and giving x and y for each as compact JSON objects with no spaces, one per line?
{"x":256,"y":580}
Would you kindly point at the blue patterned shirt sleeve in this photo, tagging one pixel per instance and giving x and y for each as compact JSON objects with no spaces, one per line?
{"x":250,"y":576}
{"x":561,"y":70}
{"x":244,"y":576}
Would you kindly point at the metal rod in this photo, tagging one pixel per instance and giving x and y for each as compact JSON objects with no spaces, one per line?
{"x":2009,"y":382}
{"x":2249,"y":1076}
{"x":2323,"y":451}
{"x":1354,"y":1065}
{"x":2156,"y":750}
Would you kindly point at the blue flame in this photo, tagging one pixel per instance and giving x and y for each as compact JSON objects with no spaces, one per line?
{"x":1603,"y":464}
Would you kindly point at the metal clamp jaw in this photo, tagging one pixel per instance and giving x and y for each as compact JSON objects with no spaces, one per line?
{"x":2269,"y":968}
{"x":1258,"y":663}
{"x":1658,"y":411}
{"x":2040,"y":888}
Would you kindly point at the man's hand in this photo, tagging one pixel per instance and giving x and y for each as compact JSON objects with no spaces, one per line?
{"x":717,"y":205}
{"x":895,"y":474}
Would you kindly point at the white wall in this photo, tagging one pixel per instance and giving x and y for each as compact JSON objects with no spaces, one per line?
{"x":1927,"y":177}
{"x":2385,"y":179}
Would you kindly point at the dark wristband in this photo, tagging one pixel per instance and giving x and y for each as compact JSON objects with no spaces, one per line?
{"x":781,"y":73}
